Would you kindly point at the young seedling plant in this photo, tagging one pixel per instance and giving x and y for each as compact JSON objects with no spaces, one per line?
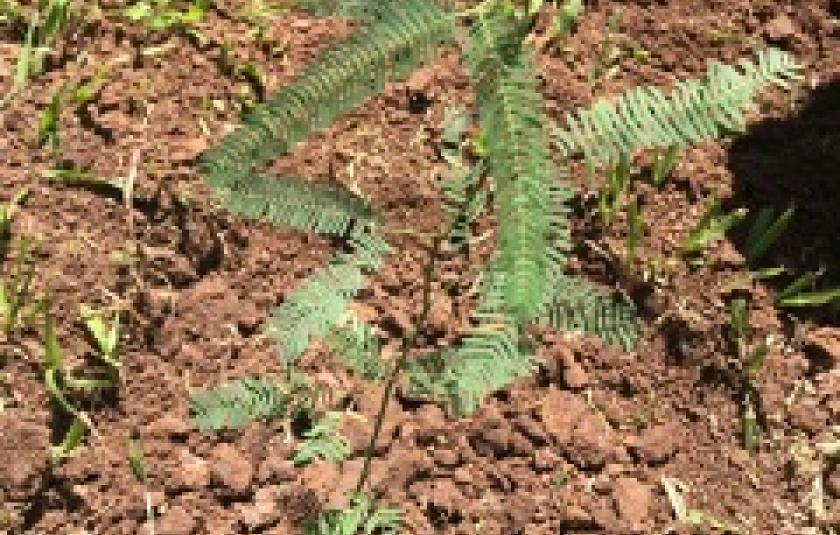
{"x":61,"y":382}
{"x":514,"y":173}
{"x":15,"y":293}
{"x":750,"y":357}
{"x":46,"y":23}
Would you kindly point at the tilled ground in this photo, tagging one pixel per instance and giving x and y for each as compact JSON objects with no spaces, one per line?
{"x":582,"y":447}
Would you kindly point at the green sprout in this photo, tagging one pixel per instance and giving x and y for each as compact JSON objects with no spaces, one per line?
{"x":58,"y":379}
{"x":712,"y":227}
{"x":162,"y":15}
{"x":611,"y":197}
{"x":7,"y":216}
{"x":106,"y":338}
{"x":751,"y":359}
{"x":14,"y":295}
{"x":765,"y":231}
{"x":44,"y":27}
{"x":663,"y":164}
{"x":567,"y":15}
{"x":72,"y":441}
{"x":136,"y":462}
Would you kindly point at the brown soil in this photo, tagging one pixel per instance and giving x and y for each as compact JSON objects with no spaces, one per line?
{"x":582,"y":447}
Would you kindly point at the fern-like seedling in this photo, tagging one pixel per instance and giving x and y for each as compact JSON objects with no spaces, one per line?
{"x":487,"y":358}
{"x":291,"y":203}
{"x":323,"y":441}
{"x":695,"y":110}
{"x":358,"y":348}
{"x":530,"y":200}
{"x":359,"y":518}
{"x":576,"y":307}
{"x":400,"y":37}
{"x":234,"y":404}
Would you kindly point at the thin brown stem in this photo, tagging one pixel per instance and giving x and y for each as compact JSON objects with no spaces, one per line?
{"x":408,"y":342}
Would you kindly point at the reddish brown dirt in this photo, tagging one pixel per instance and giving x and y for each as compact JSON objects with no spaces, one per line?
{"x":582,"y":447}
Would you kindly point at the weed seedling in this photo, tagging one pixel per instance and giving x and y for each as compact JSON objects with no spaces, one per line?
{"x":44,"y":28}
{"x":48,"y":124}
{"x":15,"y":294}
{"x":58,"y":380}
{"x":106,"y":338}
{"x":323,"y":441}
{"x":139,"y":469}
{"x":7,"y":216}
{"x":611,"y":196}
{"x":566,"y":17}
{"x":712,"y":227}
{"x":663,"y":164}
{"x":359,"y":517}
{"x":750,"y":360}
{"x":765,"y":231}
{"x":159,"y":15}
{"x":72,"y":441}
{"x":801,"y":293}
{"x":809,"y":299}
{"x":560,"y":479}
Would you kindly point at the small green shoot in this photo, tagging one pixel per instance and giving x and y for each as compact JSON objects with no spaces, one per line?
{"x":22,"y":68}
{"x":738,"y":318}
{"x":72,"y":440}
{"x":77,"y":177}
{"x":606,"y":63}
{"x":57,"y":379}
{"x":15,"y":295}
{"x":48,"y":123}
{"x":160,"y":15}
{"x":7,"y":215}
{"x":635,"y":231}
{"x":755,"y":361}
{"x":663,"y":164}
{"x":810,"y":299}
{"x":86,"y":92}
{"x":78,"y":94}
{"x":751,"y":358}
{"x":801,"y":293}
{"x":136,"y":462}
{"x":560,"y":479}
{"x":40,"y":35}
{"x":137,"y":465}
{"x":611,"y":196}
{"x":106,"y":338}
{"x":764,"y":232}
{"x":567,"y":15}
{"x":712,"y":227}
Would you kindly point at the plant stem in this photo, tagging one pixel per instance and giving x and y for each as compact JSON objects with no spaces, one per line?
{"x":408,"y":342}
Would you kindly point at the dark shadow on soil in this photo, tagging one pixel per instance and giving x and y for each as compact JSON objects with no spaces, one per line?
{"x":797,"y":160}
